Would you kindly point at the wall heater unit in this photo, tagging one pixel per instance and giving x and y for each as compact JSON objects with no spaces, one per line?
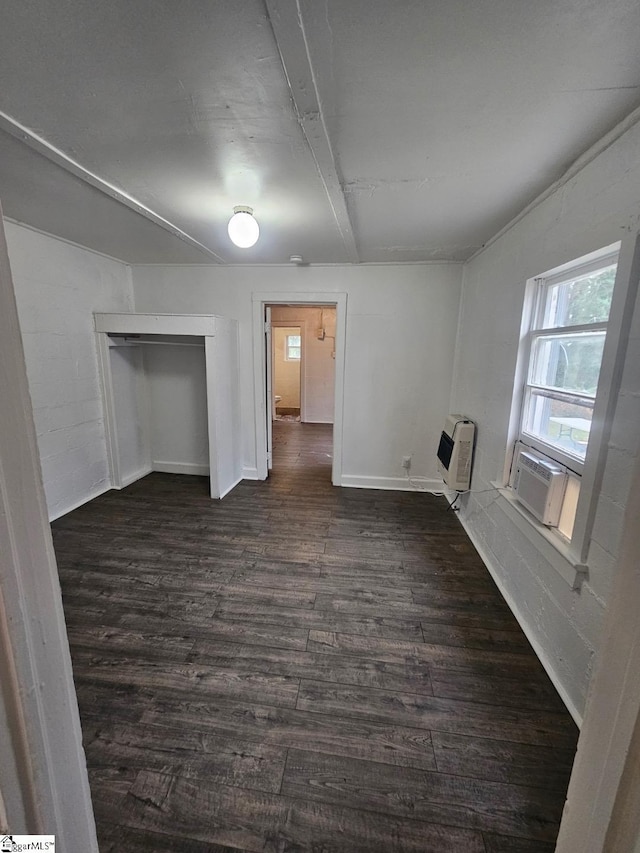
{"x":455,"y":452}
{"x":539,"y":485}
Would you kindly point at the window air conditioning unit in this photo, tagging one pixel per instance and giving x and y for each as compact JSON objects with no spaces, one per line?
{"x":455,"y":452}
{"x":539,"y":485}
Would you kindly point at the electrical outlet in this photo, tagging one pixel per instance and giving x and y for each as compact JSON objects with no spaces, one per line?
{"x":406,"y":462}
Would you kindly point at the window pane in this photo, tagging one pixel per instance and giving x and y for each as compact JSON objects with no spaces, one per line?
{"x":293,"y":340}
{"x":568,"y":362}
{"x":293,"y":353}
{"x":581,"y":300}
{"x":558,"y":423}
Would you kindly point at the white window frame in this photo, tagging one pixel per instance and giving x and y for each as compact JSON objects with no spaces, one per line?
{"x":570,"y":559}
{"x":537,"y":330}
{"x":288,"y":346}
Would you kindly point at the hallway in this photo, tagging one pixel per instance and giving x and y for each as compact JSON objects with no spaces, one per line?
{"x":303,"y":668}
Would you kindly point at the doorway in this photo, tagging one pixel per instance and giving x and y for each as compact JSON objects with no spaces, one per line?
{"x":321,"y":319}
{"x":286,"y":358}
{"x":303,"y":387}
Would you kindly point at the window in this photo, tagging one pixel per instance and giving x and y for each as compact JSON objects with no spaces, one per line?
{"x":292,"y":348}
{"x":566,"y":342}
{"x":563,"y":355}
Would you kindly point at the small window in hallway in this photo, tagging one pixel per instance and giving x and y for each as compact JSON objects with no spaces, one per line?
{"x":293,"y":346}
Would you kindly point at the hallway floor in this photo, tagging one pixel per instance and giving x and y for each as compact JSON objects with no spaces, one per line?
{"x":303,"y":668}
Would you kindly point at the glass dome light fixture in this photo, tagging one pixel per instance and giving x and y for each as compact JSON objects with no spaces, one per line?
{"x":243,"y":228}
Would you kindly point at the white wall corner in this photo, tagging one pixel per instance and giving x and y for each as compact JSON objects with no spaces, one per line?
{"x":101,"y":490}
{"x":135,"y":476}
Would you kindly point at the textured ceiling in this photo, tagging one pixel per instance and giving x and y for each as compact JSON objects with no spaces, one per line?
{"x":358,"y":130}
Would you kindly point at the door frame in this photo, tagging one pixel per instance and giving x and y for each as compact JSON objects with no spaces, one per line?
{"x":259,"y":302}
{"x":291,"y":324}
{"x":220,"y":336}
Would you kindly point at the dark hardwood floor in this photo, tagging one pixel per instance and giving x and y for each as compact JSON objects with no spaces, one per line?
{"x":303,"y":668}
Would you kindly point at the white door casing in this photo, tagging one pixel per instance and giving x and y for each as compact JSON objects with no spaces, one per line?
{"x":262,"y":403}
{"x":269,"y":402}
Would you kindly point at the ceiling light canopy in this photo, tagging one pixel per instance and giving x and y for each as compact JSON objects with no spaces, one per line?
{"x":243,"y":227}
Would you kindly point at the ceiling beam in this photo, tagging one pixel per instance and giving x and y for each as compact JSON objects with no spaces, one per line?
{"x":289,"y":32}
{"x":39,"y":144}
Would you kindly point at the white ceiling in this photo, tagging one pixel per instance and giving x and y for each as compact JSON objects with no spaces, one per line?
{"x":358,"y":130}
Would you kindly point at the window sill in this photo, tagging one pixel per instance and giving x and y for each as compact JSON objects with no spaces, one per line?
{"x":551,"y":546}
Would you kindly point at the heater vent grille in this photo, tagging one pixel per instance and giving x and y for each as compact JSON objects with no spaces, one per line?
{"x":455,"y":452}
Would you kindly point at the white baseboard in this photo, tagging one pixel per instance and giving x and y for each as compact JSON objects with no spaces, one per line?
{"x":91,"y":496}
{"x":137,"y":475}
{"x":180,"y":468}
{"x":540,"y":652}
{"x":395,"y":484}
{"x":249,"y":474}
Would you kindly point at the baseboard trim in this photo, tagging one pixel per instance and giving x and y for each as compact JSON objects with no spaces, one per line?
{"x":395,"y":484}
{"x":137,"y":475}
{"x":249,"y":474}
{"x":90,"y":497}
{"x":180,"y":468}
{"x":540,"y":652}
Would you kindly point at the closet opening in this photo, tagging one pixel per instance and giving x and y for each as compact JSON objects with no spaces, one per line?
{"x":171,"y":396}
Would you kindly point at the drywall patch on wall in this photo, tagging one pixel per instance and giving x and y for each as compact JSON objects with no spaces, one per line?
{"x":58,"y":287}
{"x":597,"y":207}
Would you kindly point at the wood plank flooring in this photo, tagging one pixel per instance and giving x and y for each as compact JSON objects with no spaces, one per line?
{"x":303,"y":668}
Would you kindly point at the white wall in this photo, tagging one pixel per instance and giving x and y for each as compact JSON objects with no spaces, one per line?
{"x":400,"y":336}
{"x":130,"y":411}
{"x":58,"y":287}
{"x":177,"y":389}
{"x":602,"y":811}
{"x":596,"y":207}
{"x":320,"y":366}
{"x":44,"y":775}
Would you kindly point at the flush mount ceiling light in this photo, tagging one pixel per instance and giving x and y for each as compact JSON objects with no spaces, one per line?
{"x":243,"y":228}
